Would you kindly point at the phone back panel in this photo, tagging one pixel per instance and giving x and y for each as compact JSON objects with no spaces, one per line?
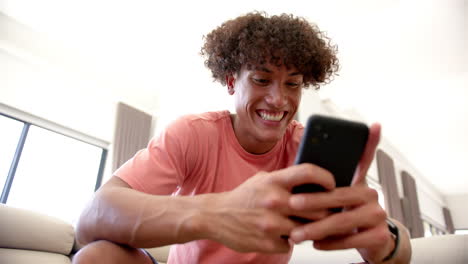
{"x":333,"y":144}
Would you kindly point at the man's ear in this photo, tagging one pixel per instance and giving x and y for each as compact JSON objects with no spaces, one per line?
{"x":230,"y":80}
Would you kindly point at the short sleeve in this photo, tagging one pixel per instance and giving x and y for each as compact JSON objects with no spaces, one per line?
{"x":161,"y":167}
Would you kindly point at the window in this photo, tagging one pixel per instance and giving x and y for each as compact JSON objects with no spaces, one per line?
{"x":55,"y":174}
{"x":11,"y":132}
{"x":427,"y":229}
{"x":432,"y":230}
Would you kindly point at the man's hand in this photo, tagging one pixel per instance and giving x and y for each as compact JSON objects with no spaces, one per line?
{"x":255,"y":215}
{"x":361,"y":225}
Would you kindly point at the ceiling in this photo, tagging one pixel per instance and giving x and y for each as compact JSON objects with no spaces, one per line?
{"x":404,"y":63}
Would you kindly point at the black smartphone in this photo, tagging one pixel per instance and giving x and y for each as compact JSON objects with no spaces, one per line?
{"x":333,"y":144}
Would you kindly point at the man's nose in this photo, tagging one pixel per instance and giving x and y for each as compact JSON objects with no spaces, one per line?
{"x":276,"y":96}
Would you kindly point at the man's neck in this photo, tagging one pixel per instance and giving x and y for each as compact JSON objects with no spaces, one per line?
{"x":248,"y":142}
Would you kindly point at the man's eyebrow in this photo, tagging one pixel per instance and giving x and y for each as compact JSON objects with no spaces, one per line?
{"x":264,"y":69}
{"x":295,"y":73}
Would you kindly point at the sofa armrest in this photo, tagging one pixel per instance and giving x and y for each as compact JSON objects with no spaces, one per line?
{"x":440,"y":249}
{"x":24,"y":229}
{"x":305,"y":253}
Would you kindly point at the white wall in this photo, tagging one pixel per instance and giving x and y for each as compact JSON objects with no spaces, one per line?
{"x":66,"y":100}
{"x":42,"y":77}
{"x":458,"y":208}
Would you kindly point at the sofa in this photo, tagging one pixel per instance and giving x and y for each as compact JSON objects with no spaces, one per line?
{"x":30,"y":237}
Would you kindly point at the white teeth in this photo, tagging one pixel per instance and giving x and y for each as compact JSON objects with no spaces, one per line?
{"x":271,"y":116}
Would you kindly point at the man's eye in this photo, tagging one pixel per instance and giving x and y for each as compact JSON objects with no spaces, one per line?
{"x":293,"y":84}
{"x":260,"y":81}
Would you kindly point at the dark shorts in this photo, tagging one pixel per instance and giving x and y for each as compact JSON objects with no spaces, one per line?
{"x":151,"y":257}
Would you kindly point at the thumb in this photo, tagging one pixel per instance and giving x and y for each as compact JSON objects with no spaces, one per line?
{"x":367,"y":155}
{"x":305,"y":173}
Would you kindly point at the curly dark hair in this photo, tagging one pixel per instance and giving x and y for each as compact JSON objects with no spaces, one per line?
{"x":256,"y":39}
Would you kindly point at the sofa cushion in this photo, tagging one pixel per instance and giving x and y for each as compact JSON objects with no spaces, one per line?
{"x":159,"y":253}
{"x":24,"y":229}
{"x":21,"y":256}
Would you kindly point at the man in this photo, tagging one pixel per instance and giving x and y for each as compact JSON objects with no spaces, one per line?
{"x":218,"y":185}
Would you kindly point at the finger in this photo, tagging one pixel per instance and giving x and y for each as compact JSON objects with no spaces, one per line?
{"x":307,"y":216}
{"x":276,"y":225}
{"x":368,"y":154}
{"x":303,"y":174}
{"x":343,"y":223}
{"x":340,"y":197}
{"x":277,"y":245}
{"x":371,"y":238}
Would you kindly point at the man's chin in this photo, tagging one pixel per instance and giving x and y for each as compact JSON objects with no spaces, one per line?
{"x":273,"y":136}
{"x":271,"y":132}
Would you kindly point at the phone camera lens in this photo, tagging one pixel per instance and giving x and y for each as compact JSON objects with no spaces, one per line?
{"x":314,"y":140}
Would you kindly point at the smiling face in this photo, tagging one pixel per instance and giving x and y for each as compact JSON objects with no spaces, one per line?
{"x":266,"y":100}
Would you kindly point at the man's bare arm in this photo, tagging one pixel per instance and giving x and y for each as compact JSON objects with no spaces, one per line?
{"x":254,"y":217}
{"x":123,"y":215}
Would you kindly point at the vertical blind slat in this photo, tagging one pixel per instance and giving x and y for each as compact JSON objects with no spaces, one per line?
{"x":410,"y":192}
{"x":132,"y":133}
{"x":387,"y":180}
{"x":448,"y":221}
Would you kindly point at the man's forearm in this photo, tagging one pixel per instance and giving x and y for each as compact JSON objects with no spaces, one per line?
{"x":123,"y":215}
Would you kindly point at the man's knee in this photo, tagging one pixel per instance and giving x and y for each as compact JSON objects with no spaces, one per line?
{"x":103,"y":251}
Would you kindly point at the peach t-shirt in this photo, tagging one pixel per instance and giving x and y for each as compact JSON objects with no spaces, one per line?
{"x":200,"y":154}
